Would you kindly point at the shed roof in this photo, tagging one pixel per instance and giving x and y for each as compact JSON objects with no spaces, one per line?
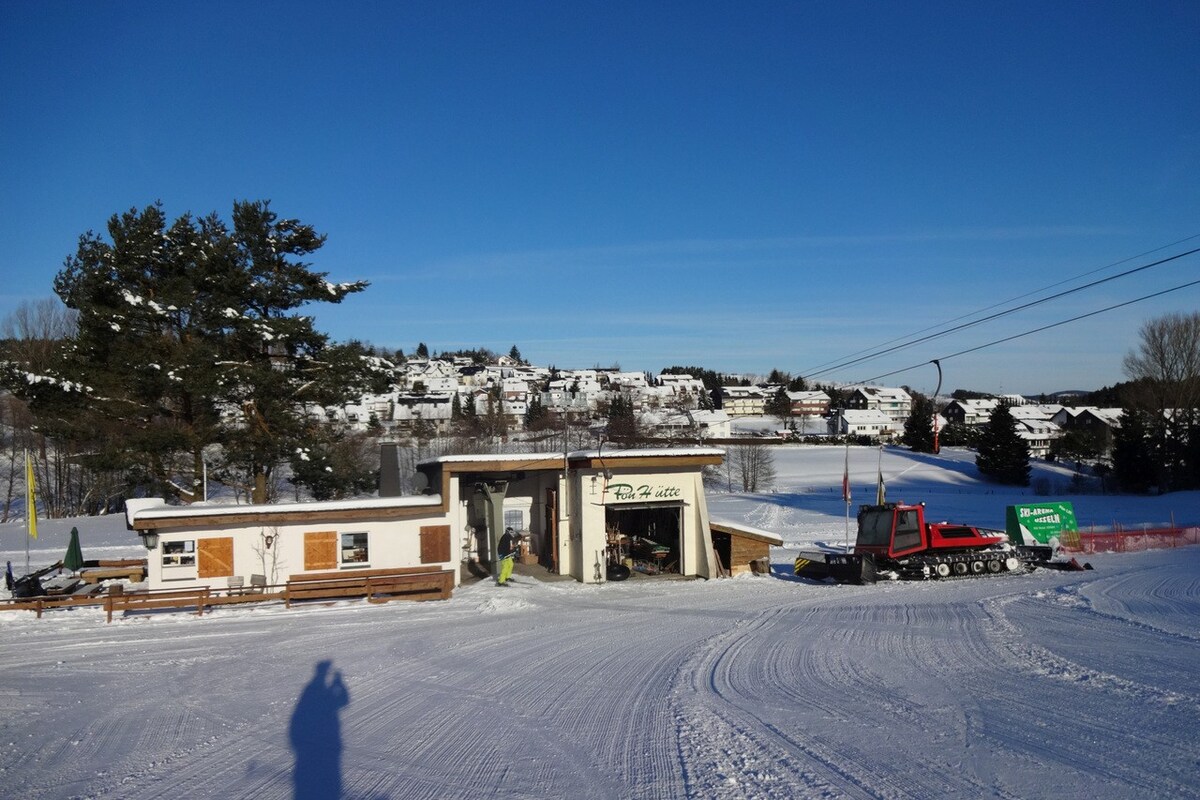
{"x":757,"y":534}
{"x":153,"y":512}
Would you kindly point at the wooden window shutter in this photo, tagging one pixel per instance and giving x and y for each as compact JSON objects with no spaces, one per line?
{"x":320,"y":550}
{"x":215,"y":557}
{"x":435,"y":544}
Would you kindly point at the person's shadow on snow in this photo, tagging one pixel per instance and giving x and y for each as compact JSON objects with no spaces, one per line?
{"x":316,"y":735}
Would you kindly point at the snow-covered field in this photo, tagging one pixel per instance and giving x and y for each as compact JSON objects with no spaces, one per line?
{"x":1050,"y":684}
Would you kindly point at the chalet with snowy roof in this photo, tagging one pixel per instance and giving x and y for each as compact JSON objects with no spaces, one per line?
{"x":809,"y":403}
{"x":896,"y":404}
{"x":858,"y":422}
{"x":1038,"y":411}
{"x":744,"y":401}
{"x":695,"y":424}
{"x":681,"y":384}
{"x":1099,"y":423}
{"x":588,"y":514}
{"x":627,"y":380}
{"x":412,"y":408}
{"x":1038,"y":434}
{"x":973,"y":412}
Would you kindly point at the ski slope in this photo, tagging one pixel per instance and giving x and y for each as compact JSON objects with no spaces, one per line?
{"x":1075,"y":685}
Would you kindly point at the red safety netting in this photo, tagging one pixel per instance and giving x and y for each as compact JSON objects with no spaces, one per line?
{"x":1127,"y":540}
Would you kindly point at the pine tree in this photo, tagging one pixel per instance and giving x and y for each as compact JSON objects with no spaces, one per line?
{"x":1134,"y":464}
{"x":918,"y":428}
{"x":1003,"y":455}
{"x":780,"y":406}
{"x":622,"y":420}
{"x":189,"y":336}
{"x":536,"y":416}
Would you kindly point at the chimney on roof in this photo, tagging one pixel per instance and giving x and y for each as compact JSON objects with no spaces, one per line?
{"x":389,"y":470}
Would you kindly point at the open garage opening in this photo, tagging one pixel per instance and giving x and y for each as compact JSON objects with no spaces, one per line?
{"x":646,"y":538}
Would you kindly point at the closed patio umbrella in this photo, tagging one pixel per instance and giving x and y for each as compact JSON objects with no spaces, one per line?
{"x":74,"y":557}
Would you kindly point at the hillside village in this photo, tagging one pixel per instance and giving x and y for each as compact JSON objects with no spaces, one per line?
{"x":429,"y":392}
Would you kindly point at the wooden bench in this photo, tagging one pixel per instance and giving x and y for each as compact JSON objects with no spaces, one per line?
{"x":377,"y":585}
{"x":156,"y":599}
{"x":134,"y":574}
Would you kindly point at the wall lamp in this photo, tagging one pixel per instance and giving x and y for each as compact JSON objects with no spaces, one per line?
{"x":149,"y":539}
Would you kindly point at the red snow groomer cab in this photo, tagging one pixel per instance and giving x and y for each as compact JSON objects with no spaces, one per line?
{"x":895,"y":541}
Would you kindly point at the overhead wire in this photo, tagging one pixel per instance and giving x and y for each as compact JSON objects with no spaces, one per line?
{"x":1035,"y":330}
{"x":870,"y":352}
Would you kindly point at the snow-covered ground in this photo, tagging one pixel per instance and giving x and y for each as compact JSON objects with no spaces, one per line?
{"x":1050,"y":684}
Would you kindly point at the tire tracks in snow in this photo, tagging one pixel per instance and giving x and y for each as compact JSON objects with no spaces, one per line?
{"x":730,"y":692}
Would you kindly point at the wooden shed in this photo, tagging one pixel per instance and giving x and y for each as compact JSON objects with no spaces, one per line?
{"x":742,"y":549}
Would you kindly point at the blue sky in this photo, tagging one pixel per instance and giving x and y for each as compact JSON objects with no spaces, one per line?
{"x":742,"y":186}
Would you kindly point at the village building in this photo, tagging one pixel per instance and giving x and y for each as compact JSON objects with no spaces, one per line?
{"x":1038,"y":434}
{"x":695,"y":424}
{"x":1100,"y":423}
{"x":744,"y":401}
{"x":809,"y":403}
{"x":857,"y":422}
{"x":973,"y":412}
{"x":581,"y":514}
{"x":896,"y":404}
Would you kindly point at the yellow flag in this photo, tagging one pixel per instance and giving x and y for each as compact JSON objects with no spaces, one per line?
{"x":30,"y":498}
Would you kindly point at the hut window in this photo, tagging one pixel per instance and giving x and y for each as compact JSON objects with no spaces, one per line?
{"x":179,"y":554}
{"x":354,"y":548}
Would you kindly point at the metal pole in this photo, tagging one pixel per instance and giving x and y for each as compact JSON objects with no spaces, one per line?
{"x":936,"y":447}
{"x":846,"y":493}
{"x":30,"y":508}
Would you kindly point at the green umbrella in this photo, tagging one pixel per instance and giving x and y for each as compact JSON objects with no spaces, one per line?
{"x":74,"y":558}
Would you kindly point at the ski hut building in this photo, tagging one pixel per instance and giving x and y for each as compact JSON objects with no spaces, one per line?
{"x":591,"y":515}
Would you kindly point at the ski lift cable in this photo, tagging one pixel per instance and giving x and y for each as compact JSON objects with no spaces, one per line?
{"x":1035,"y":330}
{"x":1001,"y":303}
{"x":1000,"y":314}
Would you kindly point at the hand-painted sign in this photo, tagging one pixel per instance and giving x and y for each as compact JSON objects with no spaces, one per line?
{"x":627,"y":491}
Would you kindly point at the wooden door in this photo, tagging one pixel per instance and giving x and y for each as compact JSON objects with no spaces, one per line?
{"x":435,"y":544}
{"x":320,"y":550}
{"x":215,"y":557}
{"x":552,"y":527}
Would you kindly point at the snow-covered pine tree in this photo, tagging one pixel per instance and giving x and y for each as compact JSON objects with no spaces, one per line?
{"x":190,"y":336}
{"x":1003,"y":455}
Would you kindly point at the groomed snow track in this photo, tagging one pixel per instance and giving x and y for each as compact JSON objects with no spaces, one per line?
{"x":1046,"y":685}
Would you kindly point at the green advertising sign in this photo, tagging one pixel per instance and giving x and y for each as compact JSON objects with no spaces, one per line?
{"x":1037,"y":523}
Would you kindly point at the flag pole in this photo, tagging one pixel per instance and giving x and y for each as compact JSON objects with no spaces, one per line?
{"x":846,"y":493}
{"x":30,"y":509}
{"x":880,"y":490}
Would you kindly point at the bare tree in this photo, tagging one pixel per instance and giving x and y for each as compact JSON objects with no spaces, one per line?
{"x":1165,"y":369}
{"x":751,"y":465}
{"x":34,"y":329}
{"x":1167,"y":363}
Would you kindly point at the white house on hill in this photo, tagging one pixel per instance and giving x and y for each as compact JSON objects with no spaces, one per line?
{"x":856,"y":422}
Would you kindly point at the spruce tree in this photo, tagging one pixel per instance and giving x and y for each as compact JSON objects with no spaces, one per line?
{"x":1003,"y":455}
{"x":918,"y":428}
{"x":1134,"y":464}
{"x":536,"y":416}
{"x":190,"y":335}
{"x":780,"y":406}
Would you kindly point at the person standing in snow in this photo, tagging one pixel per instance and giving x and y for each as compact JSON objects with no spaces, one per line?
{"x":507,"y":552}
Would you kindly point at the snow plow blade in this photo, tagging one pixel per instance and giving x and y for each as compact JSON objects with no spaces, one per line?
{"x":846,"y":568}
{"x":812,"y":565}
{"x":1066,"y":566}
